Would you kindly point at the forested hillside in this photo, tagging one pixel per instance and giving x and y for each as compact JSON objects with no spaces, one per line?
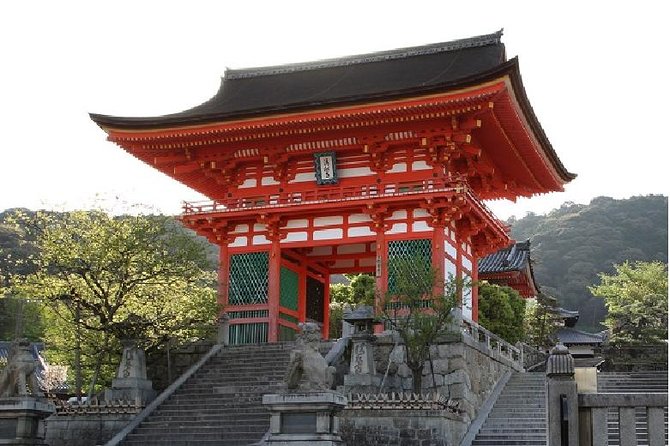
{"x":570,"y":246}
{"x":574,"y":243}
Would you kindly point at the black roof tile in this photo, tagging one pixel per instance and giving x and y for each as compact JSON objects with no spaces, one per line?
{"x":386,"y":74}
{"x":512,"y":258}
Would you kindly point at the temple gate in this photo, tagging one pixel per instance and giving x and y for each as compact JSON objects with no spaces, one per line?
{"x":341,"y":165}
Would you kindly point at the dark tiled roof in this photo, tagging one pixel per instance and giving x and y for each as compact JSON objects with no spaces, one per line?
{"x":352,"y":79}
{"x":567,"y":335}
{"x":512,"y":258}
{"x":567,"y":313}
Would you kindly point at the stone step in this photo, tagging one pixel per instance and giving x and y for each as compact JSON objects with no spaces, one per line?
{"x":221,"y":403}
{"x":518,"y":416}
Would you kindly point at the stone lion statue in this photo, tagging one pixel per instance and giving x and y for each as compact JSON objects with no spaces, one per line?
{"x":307,"y":369}
{"x":19,"y":374}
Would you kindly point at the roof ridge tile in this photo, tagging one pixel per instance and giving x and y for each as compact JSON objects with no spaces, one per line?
{"x":399,"y":53}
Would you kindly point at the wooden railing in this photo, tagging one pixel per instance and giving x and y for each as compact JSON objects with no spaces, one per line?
{"x":492,"y":342}
{"x":325,"y":195}
{"x":593,"y":425}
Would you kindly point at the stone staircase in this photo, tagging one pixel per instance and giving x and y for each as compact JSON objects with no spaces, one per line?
{"x":221,"y":403}
{"x":518,"y":416}
{"x":632,"y":382}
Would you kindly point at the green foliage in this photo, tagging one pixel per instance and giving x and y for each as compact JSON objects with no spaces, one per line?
{"x":502,"y":311}
{"x":574,"y":243}
{"x":362,"y":289}
{"x":636,"y":296}
{"x":416,"y":312}
{"x":104,"y":278}
{"x":359,"y":291}
{"x":541,"y":321}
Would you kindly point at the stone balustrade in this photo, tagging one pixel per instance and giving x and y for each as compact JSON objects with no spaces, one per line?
{"x":496,"y":346}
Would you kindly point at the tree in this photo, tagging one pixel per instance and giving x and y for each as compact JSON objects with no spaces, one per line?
{"x":418,"y":315}
{"x":103,"y":279}
{"x":541,"y":321}
{"x":359,"y":291}
{"x":502,"y":311}
{"x":636,"y":297}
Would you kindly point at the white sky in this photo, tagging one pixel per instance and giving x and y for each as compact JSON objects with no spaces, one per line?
{"x":594,"y":71}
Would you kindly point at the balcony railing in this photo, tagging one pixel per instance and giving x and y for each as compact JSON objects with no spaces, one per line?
{"x":326,"y":195}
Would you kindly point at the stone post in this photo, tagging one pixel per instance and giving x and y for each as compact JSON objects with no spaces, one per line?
{"x":562,"y":404}
{"x":131,"y":383}
{"x":223,"y":333}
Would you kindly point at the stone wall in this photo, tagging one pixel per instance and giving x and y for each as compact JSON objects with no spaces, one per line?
{"x":181,"y":359}
{"x":401,"y":428}
{"x":462,"y":370}
{"x":83,"y":430}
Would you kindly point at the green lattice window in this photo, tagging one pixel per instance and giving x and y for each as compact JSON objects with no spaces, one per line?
{"x":248,"y":333}
{"x":288,"y":289}
{"x":248,"y":280}
{"x":247,"y":314}
{"x":419,"y":251}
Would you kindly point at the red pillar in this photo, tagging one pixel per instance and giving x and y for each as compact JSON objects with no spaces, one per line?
{"x":381,"y":274}
{"x":326,"y":306}
{"x":302,"y":291}
{"x":459,"y":271}
{"x":274,"y":290}
{"x":475,"y":288}
{"x":437,"y":260}
{"x":224,"y":276}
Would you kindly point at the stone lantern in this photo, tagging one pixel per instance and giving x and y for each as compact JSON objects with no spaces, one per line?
{"x":361,"y":377}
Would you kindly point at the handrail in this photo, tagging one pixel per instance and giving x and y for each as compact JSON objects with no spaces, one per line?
{"x":491,"y":341}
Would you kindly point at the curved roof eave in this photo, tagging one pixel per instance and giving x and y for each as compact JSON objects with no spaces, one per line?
{"x":509,"y":68}
{"x":183,"y":118}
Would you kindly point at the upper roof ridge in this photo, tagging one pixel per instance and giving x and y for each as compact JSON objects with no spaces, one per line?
{"x":400,"y":53}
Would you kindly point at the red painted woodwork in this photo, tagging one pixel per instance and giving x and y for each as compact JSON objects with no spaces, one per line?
{"x":273,"y":290}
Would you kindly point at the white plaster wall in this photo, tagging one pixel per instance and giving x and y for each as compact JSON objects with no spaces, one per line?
{"x":260,"y":240}
{"x":398,"y":228}
{"x":420,"y":226}
{"x":241,"y":229}
{"x":328,"y":221}
{"x":354,"y":172}
{"x":359,"y":218}
{"x":328,"y":234}
{"x":467,"y":264}
{"x":303,"y":177}
{"x":249,"y":182}
{"x":239,"y":241}
{"x":360,"y":231}
{"x":269,"y":181}
{"x":398,"y":215}
{"x":295,"y":237}
{"x":420,"y":165}
{"x":397,"y":168}
{"x":302,"y":223}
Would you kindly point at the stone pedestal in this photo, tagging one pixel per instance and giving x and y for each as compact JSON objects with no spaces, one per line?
{"x":304,"y":419}
{"x":21,"y":420}
{"x":131,"y":383}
